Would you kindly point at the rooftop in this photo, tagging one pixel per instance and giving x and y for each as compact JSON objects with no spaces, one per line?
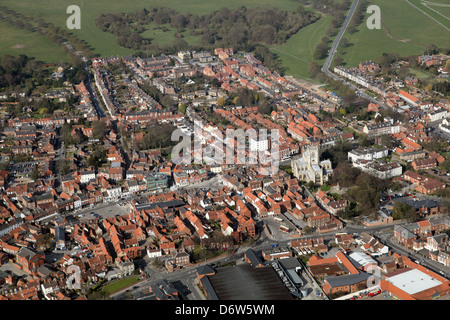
{"x":243,"y":282}
{"x":413,"y":281}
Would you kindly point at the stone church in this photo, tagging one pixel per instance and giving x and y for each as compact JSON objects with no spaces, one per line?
{"x":307,"y":167}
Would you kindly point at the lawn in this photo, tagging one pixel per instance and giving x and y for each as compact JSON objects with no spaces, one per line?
{"x":120,"y":284}
{"x":16,"y":41}
{"x":419,"y":74}
{"x":298,"y":50}
{"x":405,"y":30}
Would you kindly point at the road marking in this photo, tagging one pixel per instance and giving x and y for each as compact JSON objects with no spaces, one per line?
{"x":427,"y":15}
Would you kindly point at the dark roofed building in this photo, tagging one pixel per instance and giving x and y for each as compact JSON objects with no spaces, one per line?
{"x":208,"y":289}
{"x":251,"y":257}
{"x":345,"y":283}
{"x":164,"y":290}
{"x":244,"y":282}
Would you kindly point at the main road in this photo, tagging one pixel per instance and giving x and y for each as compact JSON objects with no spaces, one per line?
{"x":326,"y":66}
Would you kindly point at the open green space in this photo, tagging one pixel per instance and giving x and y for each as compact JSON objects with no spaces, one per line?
{"x":419,"y":74}
{"x":405,"y":30}
{"x":434,"y":11}
{"x":165,"y":34}
{"x":103,"y":43}
{"x":443,"y":11}
{"x":297,"y":52}
{"x":120,"y":284}
{"x":16,"y":41}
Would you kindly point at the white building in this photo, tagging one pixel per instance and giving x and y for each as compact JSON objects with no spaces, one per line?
{"x":382,"y":170}
{"x":367,"y":154}
{"x":259,"y":144}
{"x":438,"y":115}
{"x":379,"y":129}
{"x":445,"y":125}
{"x":114,"y":192}
{"x":154,"y":252}
{"x":133,"y":186}
{"x":87,"y":176}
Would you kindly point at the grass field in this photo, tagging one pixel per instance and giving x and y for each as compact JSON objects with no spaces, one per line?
{"x":435,"y":11}
{"x":16,"y":41}
{"x":158,"y":35}
{"x":405,"y":31}
{"x":419,"y":74}
{"x":298,"y":51}
{"x":443,"y":11}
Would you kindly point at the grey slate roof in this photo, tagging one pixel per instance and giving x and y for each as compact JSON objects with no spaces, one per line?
{"x":206,"y":269}
{"x":337,"y":281}
{"x":254,"y":259}
{"x":207,"y":286}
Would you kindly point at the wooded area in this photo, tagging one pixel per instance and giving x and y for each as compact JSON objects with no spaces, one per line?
{"x":242,"y":28}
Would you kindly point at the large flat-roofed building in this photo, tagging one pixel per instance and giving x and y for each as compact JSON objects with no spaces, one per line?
{"x":244,"y":282}
{"x":415,"y":284}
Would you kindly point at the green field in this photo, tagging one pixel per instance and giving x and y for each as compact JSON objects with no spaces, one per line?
{"x":419,"y":74}
{"x":443,"y":11}
{"x":405,"y":30}
{"x":16,"y":41}
{"x":158,"y":34}
{"x":298,"y":51}
{"x":436,"y":12}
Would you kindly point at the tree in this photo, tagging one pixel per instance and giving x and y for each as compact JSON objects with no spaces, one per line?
{"x":320,"y":51}
{"x":403,"y":210}
{"x":220,"y":101}
{"x":363,"y":140}
{"x":313,"y":69}
{"x":99,"y":129}
{"x":62,"y":166}
{"x":35,"y":174}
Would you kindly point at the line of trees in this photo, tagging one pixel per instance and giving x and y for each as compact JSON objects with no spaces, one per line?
{"x":49,"y":31}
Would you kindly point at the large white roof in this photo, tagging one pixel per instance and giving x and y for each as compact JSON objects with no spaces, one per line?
{"x":413,"y":281}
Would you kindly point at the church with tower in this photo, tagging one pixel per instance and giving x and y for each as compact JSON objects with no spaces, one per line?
{"x":307,"y":167}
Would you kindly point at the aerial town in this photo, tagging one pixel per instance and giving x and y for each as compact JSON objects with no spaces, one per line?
{"x":94,"y":205}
